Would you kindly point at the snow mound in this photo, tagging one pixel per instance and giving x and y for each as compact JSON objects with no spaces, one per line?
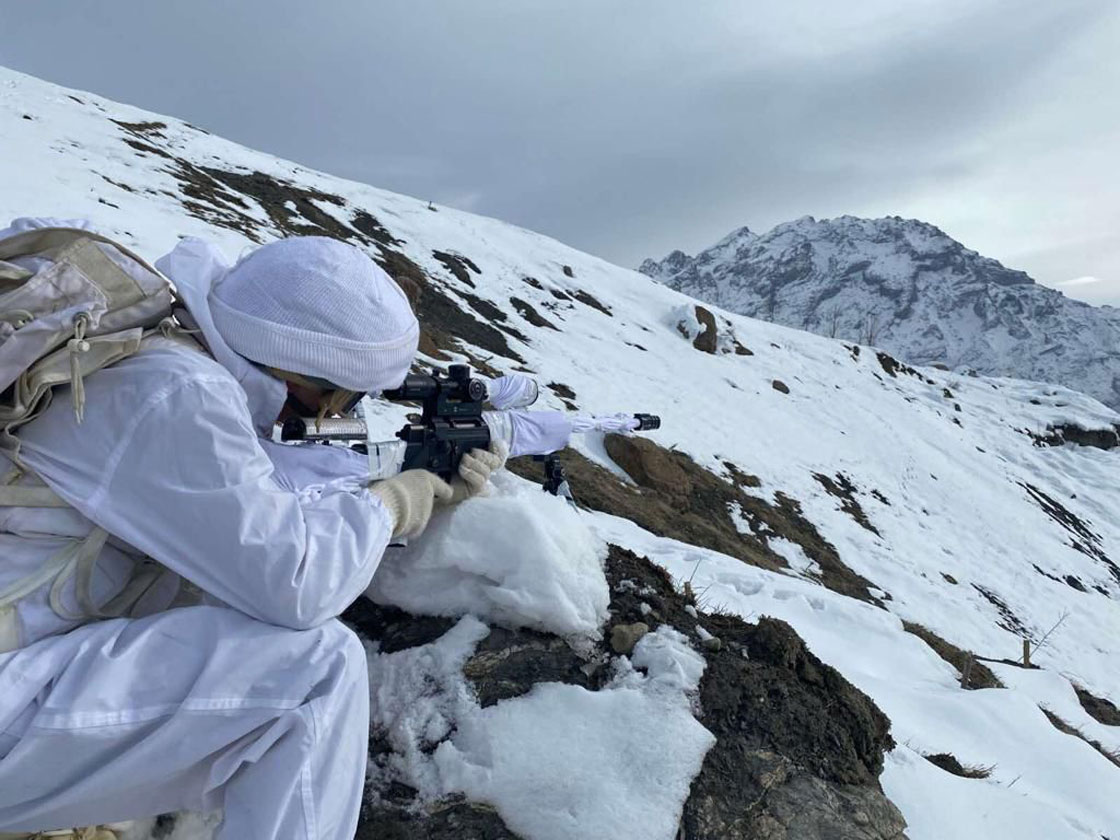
{"x":518,"y":557}
{"x":563,"y":762}
{"x":557,"y":763}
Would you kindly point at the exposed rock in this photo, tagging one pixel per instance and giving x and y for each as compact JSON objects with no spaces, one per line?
{"x":625,"y":636}
{"x":706,"y":341}
{"x":799,"y":748}
{"x":1072,"y":433}
{"x":780,"y":386}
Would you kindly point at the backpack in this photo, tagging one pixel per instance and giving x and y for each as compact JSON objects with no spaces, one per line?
{"x":71,"y":302}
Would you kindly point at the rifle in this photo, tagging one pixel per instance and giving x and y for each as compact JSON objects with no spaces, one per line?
{"x":453,"y":422}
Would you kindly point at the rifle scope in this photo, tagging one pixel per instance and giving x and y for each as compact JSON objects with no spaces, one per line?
{"x":456,"y":385}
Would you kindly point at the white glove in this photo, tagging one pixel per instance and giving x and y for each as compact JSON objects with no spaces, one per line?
{"x":409,"y":498}
{"x":475,"y":468}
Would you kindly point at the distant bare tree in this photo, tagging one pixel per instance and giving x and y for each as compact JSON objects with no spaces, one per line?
{"x":870,"y":327}
{"x":832,"y":322}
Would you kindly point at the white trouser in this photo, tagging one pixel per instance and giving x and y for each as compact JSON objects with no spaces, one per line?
{"x":196,"y":708}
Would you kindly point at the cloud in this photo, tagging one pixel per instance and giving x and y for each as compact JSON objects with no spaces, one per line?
{"x":1080,"y":281}
{"x":635,"y":127}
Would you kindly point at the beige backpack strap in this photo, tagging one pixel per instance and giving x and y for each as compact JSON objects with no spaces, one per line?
{"x":38,"y":495}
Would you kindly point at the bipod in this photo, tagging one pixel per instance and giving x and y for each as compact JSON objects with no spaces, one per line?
{"x":556,"y":478}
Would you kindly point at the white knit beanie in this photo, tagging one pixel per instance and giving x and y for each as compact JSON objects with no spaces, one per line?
{"x":318,"y":307}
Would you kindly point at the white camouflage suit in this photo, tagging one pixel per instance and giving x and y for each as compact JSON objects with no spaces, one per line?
{"x":256,"y":702}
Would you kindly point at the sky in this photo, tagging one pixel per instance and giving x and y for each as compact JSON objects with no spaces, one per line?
{"x":634,"y":127}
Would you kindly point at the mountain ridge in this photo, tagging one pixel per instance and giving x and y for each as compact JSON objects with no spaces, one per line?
{"x":905,"y":285}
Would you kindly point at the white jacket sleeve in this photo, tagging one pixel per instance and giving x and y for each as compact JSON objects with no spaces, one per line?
{"x":179,"y":473}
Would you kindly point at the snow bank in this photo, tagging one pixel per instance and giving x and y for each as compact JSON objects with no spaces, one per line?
{"x":416,"y":696}
{"x":562,"y":762}
{"x":518,"y":557}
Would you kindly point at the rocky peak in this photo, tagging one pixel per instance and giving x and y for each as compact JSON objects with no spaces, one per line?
{"x":905,"y":285}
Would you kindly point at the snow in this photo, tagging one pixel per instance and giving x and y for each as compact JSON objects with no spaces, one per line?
{"x":519,"y":557}
{"x":558,"y":762}
{"x":1055,"y":776}
{"x":947,"y":491}
{"x":903,"y":285}
{"x":564,"y":762}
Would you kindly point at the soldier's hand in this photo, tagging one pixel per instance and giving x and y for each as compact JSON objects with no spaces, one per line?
{"x":475,"y":469}
{"x":409,"y":498}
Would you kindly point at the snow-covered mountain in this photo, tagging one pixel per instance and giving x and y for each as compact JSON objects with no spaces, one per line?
{"x":825,"y":542}
{"x":905,"y":286}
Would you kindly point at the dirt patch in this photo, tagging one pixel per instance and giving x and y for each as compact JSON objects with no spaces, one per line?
{"x":1008,"y":620}
{"x":458,"y":265}
{"x":741,"y":479}
{"x":841,"y":487}
{"x":740,"y":350}
{"x":149,"y":127}
{"x":1098,"y":708}
{"x":443,"y":321}
{"x":1070,"y":729}
{"x":391,"y":628}
{"x":707,"y":340}
{"x":365,"y":223}
{"x":451,"y":819}
{"x":526,"y":311}
{"x":565,"y":392}
{"x":588,"y":300}
{"x":293,"y":210}
{"x":950,"y":764}
{"x":980,"y":676}
{"x":495,"y":316}
{"x":678,"y":498}
{"x":508,"y":663}
{"x":1085,"y":539}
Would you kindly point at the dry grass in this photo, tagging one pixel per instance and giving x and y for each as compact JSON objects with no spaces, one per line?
{"x":950,"y":764}
{"x":1070,"y":729}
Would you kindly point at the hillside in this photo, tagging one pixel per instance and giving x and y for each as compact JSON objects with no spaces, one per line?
{"x":846,"y":526}
{"x":905,"y":286}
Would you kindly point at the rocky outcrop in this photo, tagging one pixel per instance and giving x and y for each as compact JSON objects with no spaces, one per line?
{"x":798,"y":749}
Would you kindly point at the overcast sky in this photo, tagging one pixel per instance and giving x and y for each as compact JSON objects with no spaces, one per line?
{"x":628,"y":128}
